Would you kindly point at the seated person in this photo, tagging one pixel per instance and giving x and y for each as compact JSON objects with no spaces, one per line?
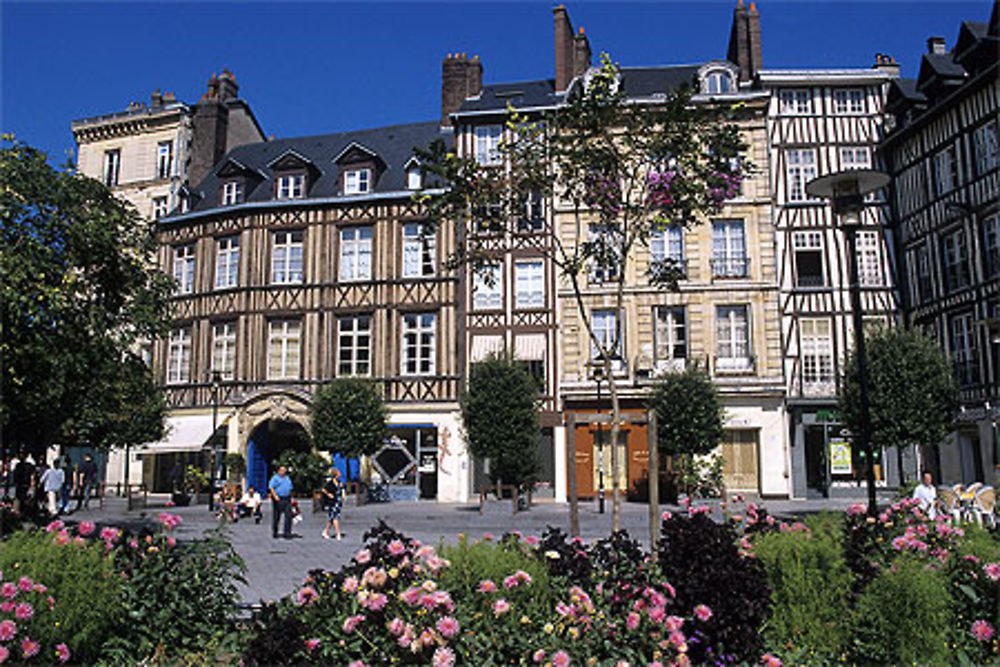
{"x":249,"y":504}
{"x":926,"y":493}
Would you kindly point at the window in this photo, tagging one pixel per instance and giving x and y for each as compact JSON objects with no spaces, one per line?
{"x":164,"y":158}
{"x":232,"y":193}
{"x":487,"y":149}
{"x":667,"y":244}
{"x":729,"y":256}
{"x":945,"y":170}
{"x":531,"y":219}
{"x":159,"y":207}
{"x":112,"y":164}
{"x":529,"y":281}
{"x":670,"y":347}
{"x":283,"y":349}
{"x":851,"y":101}
{"x":179,"y":356}
{"x":604,"y":255}
{"x":963,"y":349}
{"x":227,"y":262}
{"x":487,"y":288}
{"x":414,"y":178}
{"x":354,"y":345}
{"x":357,"y":181}
{"x":608,"y":332}
{"x":286,"y":258}
{"x":808,"y":248}
{"x":795,"y":101}
{"x":869,"y":255}
{"x":291,"y":186}
{"x":956,"y":260}
{"x":419,"y":332}
{"x":991,"y":241}
{"x":816,"y":351}
{"x":717,"y":82}
{"x":924,"y":284}
{"x":800,"y":165}
{"x":224,"y":349}
{"x":356,"y":253}
{"x":986,"y":148}
{"x":184,"y":268}
{"x":419,"y":250}
{"x":855,"y":157}
{"x":732,"y":338}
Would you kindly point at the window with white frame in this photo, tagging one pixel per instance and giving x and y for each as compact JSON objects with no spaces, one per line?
{"x":357,"y":181}
{"x":667,"y":244}
{"x":414,"y":178}
{"x":284,"y":349}
{"x":717,"y":82}
{"x":419,"y":336}
{"x":487,"y":150}
{"x":529,"y":284}
{"x":112,"y":165}
{"x":964,"y":353}
{"x":795,"y":101}
{"x":869,"y":258}
{"x":991,"y":241}
{"x":227,"y":261}
{"x":419,"y":250}
{"x":729,"y":249}
{"x":487,"y":288}
{"x":159,"y":207}
{"x":354,"y":345}
{"x":732,"y":338}
{"x":232,"y":192}
{"x":816,"y":352}
{"x":291,"y":186}
{"x":849,"y":101}
{"x":605,"y":257}
{"x":800,"y":168}
{"x":224,"y":349}
{"x":531,"y":219}
{"x":945,"y":170}
{"x":164,"y":158}
{"x":608,"y":331}
{"x":179,"y":356}
{"x":855,"y":157}
{"x":184,"y":268}
{"x":986,"y":147}
{"x":286,"y":258}
{"x":956,"y":260}
{"x":808,"y":249}
{"x":670,"y":344}
{"x":356,"y":253}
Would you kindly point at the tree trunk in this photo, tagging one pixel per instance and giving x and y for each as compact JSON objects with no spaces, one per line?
{"x":574,"y":501}
{"x":616,"y":498}
{"x":654,"y":480}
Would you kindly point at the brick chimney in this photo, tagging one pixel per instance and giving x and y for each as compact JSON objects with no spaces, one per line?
{"x":581,"y":53}
{"x":753,"y":33}
{"x":887,"y":64}
{"x":156,"y":99}
{"x":211,"y":125}
{"x":744,"y":41}
{"x":461,"y":77}
{"x":228,"y":88}
{"x":936,"y":45}
{"x":564,"y":48}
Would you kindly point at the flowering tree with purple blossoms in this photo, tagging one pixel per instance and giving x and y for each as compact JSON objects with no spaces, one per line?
{"x":612,"y":173}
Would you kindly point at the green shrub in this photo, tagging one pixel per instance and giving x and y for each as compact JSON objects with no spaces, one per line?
{"x":810,"y":586}
{"x":828,"y":524}
{"x":306,"y":470}
{"x":903,"y":616}
{"x":81,"y":580}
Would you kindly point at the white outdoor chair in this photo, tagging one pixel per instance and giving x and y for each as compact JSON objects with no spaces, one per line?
{"x":984,"y":504}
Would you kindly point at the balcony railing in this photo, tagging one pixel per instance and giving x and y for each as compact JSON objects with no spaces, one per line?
{"x":730,"y":267}
{"x":743,"y":365}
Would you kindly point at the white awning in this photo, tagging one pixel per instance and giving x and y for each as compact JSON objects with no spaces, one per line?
{"x":187,"y":433}
{"x":530,"y":348}
{"x":484,"y":346}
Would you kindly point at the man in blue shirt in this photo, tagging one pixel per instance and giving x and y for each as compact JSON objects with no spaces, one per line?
{"x":280,"y":491}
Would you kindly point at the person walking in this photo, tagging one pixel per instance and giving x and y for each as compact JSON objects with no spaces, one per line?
{"x":279,"y":489}
{"x":333,"y":502}
{"x":86,"y":478}
{"x":67,"y":488}
{"x":24,"y":485}
{"x":51,"y":481}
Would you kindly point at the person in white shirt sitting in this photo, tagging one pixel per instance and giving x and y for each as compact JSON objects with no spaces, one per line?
{"x":250,"y":504}
{"x":926,"y":493}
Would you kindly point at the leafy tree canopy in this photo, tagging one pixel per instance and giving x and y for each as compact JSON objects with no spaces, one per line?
{"x":78,"y":291}
{"x":912,"y":391}
{"x":348,"y":417}
{"x":500,"y":415}
{"x":689,"y":417}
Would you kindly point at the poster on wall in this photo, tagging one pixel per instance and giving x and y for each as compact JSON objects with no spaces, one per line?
{"x":840,"y":457}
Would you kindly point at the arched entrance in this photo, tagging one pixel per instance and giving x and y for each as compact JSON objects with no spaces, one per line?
{"x":267,"y":442}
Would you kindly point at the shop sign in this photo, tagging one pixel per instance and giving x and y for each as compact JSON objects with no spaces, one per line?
{"x":840,"y":457}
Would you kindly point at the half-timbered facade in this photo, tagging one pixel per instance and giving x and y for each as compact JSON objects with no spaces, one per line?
{"x":820,"y":122}
{"x":304,"y":260}
{"x":944,"y":159}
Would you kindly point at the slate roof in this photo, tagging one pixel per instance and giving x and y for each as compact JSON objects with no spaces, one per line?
{"x":393,"y":144}
{"x":650,"y":81}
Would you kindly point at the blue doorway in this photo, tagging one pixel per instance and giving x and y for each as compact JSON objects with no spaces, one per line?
{"x":266,"y":443}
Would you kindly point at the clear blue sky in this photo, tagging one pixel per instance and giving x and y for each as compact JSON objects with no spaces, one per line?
{"x":322,"y":67}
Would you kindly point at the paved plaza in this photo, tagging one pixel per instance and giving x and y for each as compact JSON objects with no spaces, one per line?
{"x":276,"y":567}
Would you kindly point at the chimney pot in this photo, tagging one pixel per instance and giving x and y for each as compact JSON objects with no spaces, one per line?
{"x":936,"y":45}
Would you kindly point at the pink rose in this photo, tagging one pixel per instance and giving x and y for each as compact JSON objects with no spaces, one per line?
{"x":487,"y":586}
{"x":311,"y":644}
{"x":8,"y":630}
{"x":500,"y":607}
{"x":24,"y":612}
{"x":8,"y":590}
{"x":25,"y":584}
{"x":448,"y":627}
{"x":702,"y":612}
{"x":443,"y":657}
{"x":632,"y":620}
{"x":85,"y":528}
{"x":29,"y":647}
{"x":62,"y":652}
{"x":560,"y":659}
{"x":982,"y":631}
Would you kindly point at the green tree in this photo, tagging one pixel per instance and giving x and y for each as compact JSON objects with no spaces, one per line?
{"x":912,"y":390}
{"x":78,"y":291}
{"x":622,"y":171}
{"x":689,"y":416}
{"x":348,"y":417}
{"x":500,"y":416}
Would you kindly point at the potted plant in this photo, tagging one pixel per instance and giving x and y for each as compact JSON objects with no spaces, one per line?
{"x":307,"y":470}
{"x":236,"y":467}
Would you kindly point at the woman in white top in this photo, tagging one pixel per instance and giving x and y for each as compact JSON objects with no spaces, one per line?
{"x":52,"y":482}
{"x":926,"y":493}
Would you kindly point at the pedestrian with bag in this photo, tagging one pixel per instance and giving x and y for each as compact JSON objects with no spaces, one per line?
{"x":333,"y":502}
{"x":279,"y":490}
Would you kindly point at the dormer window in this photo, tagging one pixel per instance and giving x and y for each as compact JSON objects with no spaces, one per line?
{"x":357,"y":181}
{"x":414,"y":178}
{"x":232,"y":193}
{"x":291,"y":186}
{"x":717,"y":82}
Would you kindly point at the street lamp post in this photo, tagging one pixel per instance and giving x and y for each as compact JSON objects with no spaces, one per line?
{"x":216,"y":381}
{"x":846,"y":191}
